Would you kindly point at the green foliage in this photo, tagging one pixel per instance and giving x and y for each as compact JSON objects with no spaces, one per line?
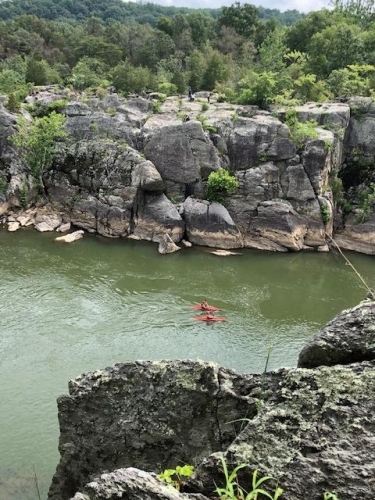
{"x":242,"y":18}
{"x":40,"y":109}
{"x":330,"y":496}
{"x":156,"y":107}
{"x":36,"y":141}
{"x":300,"y":132}
{"x":12,"y":104}
{"x":205,"y":107}
{"x":88,"y":72}
{"x":3,"y":185}
{"x":325,"y":213}
{"x":367,"y":204}
{"x":355,"y":79}
{"x":177,"y":476}
{"x":206,"y":126}
{"x":219,"y":184}
{"x":258,"y":89}
{"x":233,"y":491}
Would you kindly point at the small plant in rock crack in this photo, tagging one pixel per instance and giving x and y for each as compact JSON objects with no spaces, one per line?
{"x":233,"y":491}
{"x":176,"y":477}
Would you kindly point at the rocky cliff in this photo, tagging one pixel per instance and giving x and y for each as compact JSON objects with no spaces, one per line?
{"x":311,"y":429}
{"x":126,"y":171}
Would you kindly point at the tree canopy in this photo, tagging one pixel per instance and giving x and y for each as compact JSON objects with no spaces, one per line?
{"x":241,"y":52}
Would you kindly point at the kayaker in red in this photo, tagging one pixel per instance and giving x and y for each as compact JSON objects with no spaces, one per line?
{"x":204,"y":304}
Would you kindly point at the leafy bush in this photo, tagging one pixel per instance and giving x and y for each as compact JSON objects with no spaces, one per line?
{"x":39,"y":109}
{"x":325,"y":213}
{"x":36,"y":141}
{"x":219,"y":184}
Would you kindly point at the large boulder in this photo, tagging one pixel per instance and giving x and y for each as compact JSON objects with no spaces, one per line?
{"x":181,"y":152}
{"x":314,"y":433}
{"x":148,"y":414}
{"x":156,"y":215}
{"x":278,"y":222}
{"x":209,"y":224}
{"x":348,"y":338}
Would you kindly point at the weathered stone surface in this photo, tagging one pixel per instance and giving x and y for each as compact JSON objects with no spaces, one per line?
{"x":47,"y":222}
{"x":158,"y":216}
{"x":131,"y":484}
{"x":146,"y":177}
{"x":358,"y":237}
{"x":314,"y":433}
{"x":348,"y":338}
{"x":209,"y":224}
{"x":180,"y":151}
{"x":145,"y":413}
{"x":167,"y":245}
{"x":277,"y":221}
{"x":333,"y":115}
{"x":255,"y":185}
{"x":249,"y":139}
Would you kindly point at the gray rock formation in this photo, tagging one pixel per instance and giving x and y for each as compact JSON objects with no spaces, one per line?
{"x":313,"y":433}
{"x":209,"y":224}
{"x":348,"y":338}
{"x":119,"y":153}
{"x":145,"y":414}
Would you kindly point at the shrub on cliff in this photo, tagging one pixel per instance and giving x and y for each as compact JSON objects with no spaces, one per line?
{"x":36,"y":141}
{"x":219,"y":184}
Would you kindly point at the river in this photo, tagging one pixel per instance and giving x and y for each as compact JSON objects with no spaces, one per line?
{"x":71,"y":308}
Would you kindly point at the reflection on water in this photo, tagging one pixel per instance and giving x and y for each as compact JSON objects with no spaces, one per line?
{"x":68,"y":309}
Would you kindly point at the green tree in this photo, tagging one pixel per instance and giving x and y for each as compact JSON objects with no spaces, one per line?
{"x":272,"y":51}
{"x":362,"y":11}
{"x":334,"y":48}
{"x":258,"y":89}
{"x":88,"y":72}
{"x":36,"y":142}
{"x":36,"y":72}
{"x":216,"y":71}
{"x":242,"y":18}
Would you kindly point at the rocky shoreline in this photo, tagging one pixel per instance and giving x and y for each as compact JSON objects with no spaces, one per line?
{"x":131,"y":168}
{"x":311,"y":428}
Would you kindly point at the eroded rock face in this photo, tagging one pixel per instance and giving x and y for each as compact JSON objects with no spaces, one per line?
{"x":119,"y":152}
{"x":348,"y":338}
{"x":313,"y":433}
{"x":145,"y":414}
{"x":209,"y":224}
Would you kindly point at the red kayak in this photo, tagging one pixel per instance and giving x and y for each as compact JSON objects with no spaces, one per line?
{"x":198,"y":307}
{"x":210,"y":320}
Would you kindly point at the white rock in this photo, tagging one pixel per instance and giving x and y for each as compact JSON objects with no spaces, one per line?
{"x":68,"y":238}
{"x":64,"y":227}
{"x":23,"y":219}
{"x":13,"y":226}
{"x":224,"y":253}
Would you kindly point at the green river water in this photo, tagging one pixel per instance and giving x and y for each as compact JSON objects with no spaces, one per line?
{"x":71,"y":308}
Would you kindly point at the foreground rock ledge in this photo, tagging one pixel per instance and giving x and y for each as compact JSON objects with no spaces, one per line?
{"x":311,"y":429}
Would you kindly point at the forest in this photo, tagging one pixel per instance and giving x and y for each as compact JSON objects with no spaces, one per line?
{"x":247,"y":55}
